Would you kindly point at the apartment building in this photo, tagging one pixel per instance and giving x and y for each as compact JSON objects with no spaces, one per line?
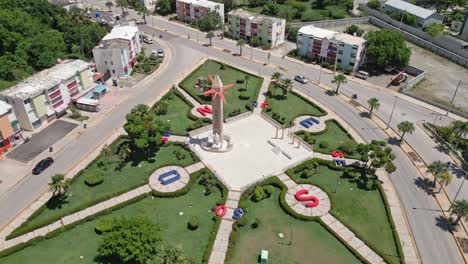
{"x":10,"y":130}
{"x":246,"y":25}
{"x":195,"y":10}
{"x":47,"y":94}
{"x":117,"y":51}
{"x":325,"y":45}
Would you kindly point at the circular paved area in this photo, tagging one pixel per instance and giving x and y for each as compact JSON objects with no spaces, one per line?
{"x":156,"y":185}
{"x":314,"y":128}
{"x":197,"y":114}
{"x":300,"y":208}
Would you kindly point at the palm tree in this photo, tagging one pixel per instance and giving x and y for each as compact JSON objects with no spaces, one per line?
{"x":109,"y":5}
{"x":143,"y":10}
{"x":122,"y":4}
{"x":209,"y":36}
{"x":276,"y":77}
{"x":436,"y":168}
{"x":339,"y":79}
{"x":241,"y":44}
{"x":287,"y":85}
{"x":460,"y":128}
{"x":59,"y":185}
{"x":373,"y":104}
{"x":445,"y":178}
{"x":459,"y":208}
{"x":405,"y":127}
{"x":246,"y":80}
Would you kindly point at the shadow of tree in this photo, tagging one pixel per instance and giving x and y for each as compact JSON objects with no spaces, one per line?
{"x":424,"y":184}
{"x":393,"y":141}
{"x":330,"y":92}
{"x":56,"y":202}
{"x":364,"y":114}
{"x":442,"y":223}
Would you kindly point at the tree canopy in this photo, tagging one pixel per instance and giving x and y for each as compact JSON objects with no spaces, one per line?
{"x":387,"y":47}
{"x":377,"y":155}
{"x":211,"y":22}
{"x":34,"y":33}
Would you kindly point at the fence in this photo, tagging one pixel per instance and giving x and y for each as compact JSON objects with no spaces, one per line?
{"x":419,"y":76}
{"x":333,"y":23}
{"x":444,"y":46}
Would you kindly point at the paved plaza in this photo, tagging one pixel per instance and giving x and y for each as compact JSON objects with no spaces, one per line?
{"x":256,"y":154}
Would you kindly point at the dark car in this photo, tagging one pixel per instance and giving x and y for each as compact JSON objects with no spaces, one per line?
{"x":42,"y":165}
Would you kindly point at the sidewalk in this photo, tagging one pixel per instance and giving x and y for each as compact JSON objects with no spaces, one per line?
{"x":262,"y":95}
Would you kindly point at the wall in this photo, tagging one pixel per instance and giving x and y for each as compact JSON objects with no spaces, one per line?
{"x":332,"y":23}
{"x":102,"y":55}
{"x":444,"y":46}
{"x":419,"y":76}
{"x":20,"y":112}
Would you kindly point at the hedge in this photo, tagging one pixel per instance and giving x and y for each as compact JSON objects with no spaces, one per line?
{"x":62,"y":229}
{"x":23,"y":230}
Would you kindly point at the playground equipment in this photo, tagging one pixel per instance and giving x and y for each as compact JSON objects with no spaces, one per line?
{"x":300,"y":196}
{"x":238,"y":213}
{"x":163,"y":178}
{"x":221,"y":210}
{"x":338,"y":162}
{"x":309,"y":122}
{"x":337,"y":154}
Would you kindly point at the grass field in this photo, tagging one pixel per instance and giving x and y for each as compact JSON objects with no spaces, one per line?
{"x":83,"y":240}
{"x":133,"y":174}
{"x":335,"y":136}
{"x":310,"y":242}
{"x":359,"y":205}
{"x":229,"y":75}
{"x":291,"y":106}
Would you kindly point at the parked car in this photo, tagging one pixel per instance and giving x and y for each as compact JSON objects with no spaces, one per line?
{"x":148,"y":40}
{"x":390,"y":68}
{"x":154,"y":53}
{"x":362,"y":75}
{"x":160,"y":53}
{"x":42,"y":165}
{"x":301,"y":79}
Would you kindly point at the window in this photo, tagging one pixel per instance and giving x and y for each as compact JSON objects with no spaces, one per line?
{"x":353,"y":56}
{"x":269,"y":41}
{"x":351,"y":64}
{"x":105,"y":62}
{"x":341,"y":44}
{"x":338,"y":60}
{"x":113,"y":71}
{"x":355,"y":47}
{"x":340,"y":52}
{"x":112,"y":63}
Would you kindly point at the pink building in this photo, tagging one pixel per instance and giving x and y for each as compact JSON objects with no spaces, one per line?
{"x":195,"y":10}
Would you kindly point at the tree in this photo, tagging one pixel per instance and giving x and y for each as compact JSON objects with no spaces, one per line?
{"x":287,"y":86}
{"x":165,"y":7}
{"x":436,"y":168}
{"x":259,"y":194}
{"x":144,"y":129}
{"x":444,"y":178}
{"x":338,"y":80}
{"x":241,"y":44}
{"x":141,"y":8}
{"x":373,"y":104}
{"x":387,"y":47}
{"x":276,"y":77}
{"x":271,"y":9}
{"x":460,"y":209}
{"x":211,"y":22}
{"x":131,"y":240}
{"x":209,"y":36}
{"x":460,"y":129}
{"x":168,"y":254}
{"x":374,"y":4}
{"x":405,"y":127}
{"x":376,"y":155}
{"x":124,"y":153}
{"x":122,"y":4}
{"x":109,"y":4}
{"x":354,"y":30}
{"x":59,"y":185}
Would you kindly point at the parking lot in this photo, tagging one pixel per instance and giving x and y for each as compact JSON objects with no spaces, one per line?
{"x":41,"y":141}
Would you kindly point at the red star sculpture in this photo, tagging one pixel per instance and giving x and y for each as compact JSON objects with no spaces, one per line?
{"x":215,"y":93}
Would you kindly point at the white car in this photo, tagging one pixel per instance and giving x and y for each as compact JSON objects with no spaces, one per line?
{"x":148,"y":40}
{"x":154,"y":53}
{"x":160,"y":53}
{"x":301,"y":79}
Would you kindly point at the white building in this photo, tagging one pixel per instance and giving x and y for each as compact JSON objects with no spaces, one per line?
{"x":424,"y":17}
{"x":47,"y":94}
{"x":246,"y":25}
{"x":326,"y":45}
{"x":196,"y":10}
{"x":117,"y":51}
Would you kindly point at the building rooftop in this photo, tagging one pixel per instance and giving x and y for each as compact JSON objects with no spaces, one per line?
{"x":317,"y":32}
{"x":410,"y":8}
{"x":46,"y":79}
{"x":113,"y":44}
{"x":4,"y":108}
{"x":122,"y":32}
{"x":254,"y":17}
{"x":349,"y":39}
{"x":204,"y":3}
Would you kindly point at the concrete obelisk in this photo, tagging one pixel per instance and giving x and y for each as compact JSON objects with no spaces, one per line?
{"x":217,"y":105}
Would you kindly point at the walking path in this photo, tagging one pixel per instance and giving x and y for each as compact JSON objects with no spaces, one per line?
{"x":220,"y":246}
{"x":181,"y":139}
{"x":262,"y":95}
{"x":108,"y":204}
{"x":322,"y":210}
{"x":188,"y":97}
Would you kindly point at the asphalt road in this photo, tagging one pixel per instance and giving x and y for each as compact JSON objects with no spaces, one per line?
{"x":435,"y":244}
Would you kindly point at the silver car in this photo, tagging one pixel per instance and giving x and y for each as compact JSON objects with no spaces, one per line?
{"x":301,"y":79}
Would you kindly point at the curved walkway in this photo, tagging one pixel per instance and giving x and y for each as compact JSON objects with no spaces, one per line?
{"x":323,"y":212}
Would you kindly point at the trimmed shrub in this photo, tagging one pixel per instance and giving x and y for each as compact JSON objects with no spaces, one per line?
{"x":256,"y":223}
{"x":103,"y":224}
{"x":240,"y":81}
{"x":94,"y":178}
{"x":243,"y":221}
{"x":347,"y":149}
{"x":193,"y":223}
{"x":259,"y":194}
{"x":323,"y":144}
{"x":244,"y":95}
{"x":269,"y":190}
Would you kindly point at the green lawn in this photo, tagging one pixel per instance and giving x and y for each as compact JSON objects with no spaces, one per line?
{"x":309,"y":14}
{"x":359,"y":205}
{"x":310,"y":242}
{"x":290,"y":106}
{"x":133,"y":174}
{"x":177,"y":111}
{"x":335,"y":136}
{"x":82,"y":240}
{"x":229,"y":75}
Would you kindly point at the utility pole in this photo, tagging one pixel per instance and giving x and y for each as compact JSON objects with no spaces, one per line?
{"x":453,"y":98}
{"x":320,"y":72}
{"x":391,"y":114}
{"x":401,"y":20}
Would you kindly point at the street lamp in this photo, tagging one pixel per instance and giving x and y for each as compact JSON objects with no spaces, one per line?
{"x":461,"y":184}
{"x":391,"y":114}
